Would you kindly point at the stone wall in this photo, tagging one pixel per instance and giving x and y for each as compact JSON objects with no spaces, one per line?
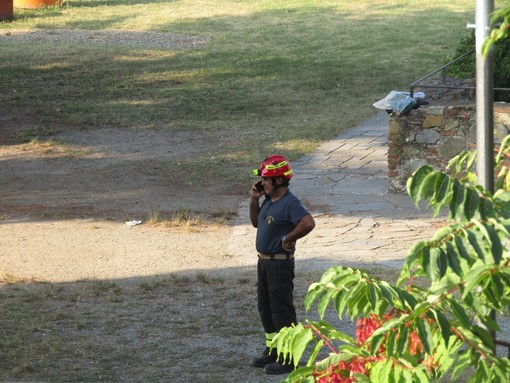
{"x":433,"y":135}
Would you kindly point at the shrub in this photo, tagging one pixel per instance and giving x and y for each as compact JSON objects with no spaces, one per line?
{"x":410,"y":332}
{"x":466,"y":68}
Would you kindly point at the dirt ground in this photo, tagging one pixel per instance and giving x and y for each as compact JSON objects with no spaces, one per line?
{"x":174,"y":306}
{"x":75,"y":198}
{"x":86,"y":298}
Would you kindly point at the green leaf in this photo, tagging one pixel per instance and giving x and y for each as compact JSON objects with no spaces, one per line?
{"x":482,"y":371}
{"x":433,"y":267}
{"x":314,"y":291}
{"x":502,"y":226}
{"x":357,"y":300}
{"x":362,"y":307}
{"x":398,"y":374}
{"x":425,"y":334}
{"x":301,"y":375}
{"x":498,"y":286}
{"x":503,"y":147}
{"x":299,"y":344}
{"x":333,"y":359}
{"x":407,"y":299}
{"x":414,"y":182}
{"x":388,"y":293}
{"x":323,"y":302}
{"x":475,"y":239}
{"x":492,"y":299}
{"x":474,"y":278}
{"x":453,"y":258}
{"x":486,"y":209}
{"x":461,"y":247}
{"x":420,"y":376}
{"x":315,"y":351}
{"x":502,"y":196}
{"x":346,"y":279}
{"x":381,"y":371}
{"x":460,"y":313}
{"x":442,"y":262}
{"x":443,"y":233}
{"x":492,"y":239}
{"x":457,"y":202}
{"x":389,"y":325}
{"x":351,"y":283}
{"x":403,"y":340}
{"x":331,"y":332}
{"x":484,"y":335}
{"x":442,"y":193}
{"x":414,"y":257}
{"x":373,"y":296}
{"x":375,"y":342}
{"x":501,"y":370}
{"x":462,"y":363}
{"x":360,"y":378}
{"x":443,"y":324}
{"x":471,"y":203}
{"x":427,"y":186}
{"x":390,"y":343}
{"x":471,"y":159}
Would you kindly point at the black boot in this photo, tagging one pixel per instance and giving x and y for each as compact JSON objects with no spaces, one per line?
{"x":266,"y":358}
{"x":278,"y":368}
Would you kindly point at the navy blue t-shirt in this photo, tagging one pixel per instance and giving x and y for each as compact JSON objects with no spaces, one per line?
{"x":275,"y":220}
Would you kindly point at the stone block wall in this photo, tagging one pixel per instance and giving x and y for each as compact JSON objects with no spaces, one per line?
{"x":434,"y":135}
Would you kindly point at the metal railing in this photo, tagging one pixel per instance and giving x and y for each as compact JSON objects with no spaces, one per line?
{"x":442,"y":69}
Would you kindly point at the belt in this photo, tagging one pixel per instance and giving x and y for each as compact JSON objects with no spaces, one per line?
{"x":277,"y":256}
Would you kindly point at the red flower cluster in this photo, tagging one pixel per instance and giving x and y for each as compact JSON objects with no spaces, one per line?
{"x":415,"y":345}
{"x":343,"y":372}
{"x":366,"y":327}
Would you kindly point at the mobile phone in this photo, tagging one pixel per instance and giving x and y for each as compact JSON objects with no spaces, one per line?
{"x":259,"y":186}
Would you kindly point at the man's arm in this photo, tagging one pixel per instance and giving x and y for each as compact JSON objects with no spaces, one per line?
{"x":254,"y":204}
{"x":303,"y":227}
{"x":254,"y":211}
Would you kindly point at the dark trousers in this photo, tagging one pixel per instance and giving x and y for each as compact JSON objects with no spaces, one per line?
{"x":275,"y":294}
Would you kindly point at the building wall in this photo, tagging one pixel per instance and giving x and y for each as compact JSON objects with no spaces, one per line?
{"x":434,"y":135}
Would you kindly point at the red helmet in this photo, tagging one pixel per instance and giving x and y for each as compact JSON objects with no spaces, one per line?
{"x":275,"y":166}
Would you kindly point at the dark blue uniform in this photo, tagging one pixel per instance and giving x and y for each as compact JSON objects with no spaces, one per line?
{"x":275,"y":277}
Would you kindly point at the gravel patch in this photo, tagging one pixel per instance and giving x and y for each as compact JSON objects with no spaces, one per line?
{"x":154,"y":40}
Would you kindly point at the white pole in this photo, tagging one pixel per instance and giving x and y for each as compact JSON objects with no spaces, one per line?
{"x":484,"y":106}
{"x":484,"y":98}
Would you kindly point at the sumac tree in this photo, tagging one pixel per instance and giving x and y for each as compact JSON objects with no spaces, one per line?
{"x":422,"y":332}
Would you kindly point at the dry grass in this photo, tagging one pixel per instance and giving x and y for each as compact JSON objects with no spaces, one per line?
{"x":144,"y":330}
{"x":187,"y":219}
{"x":138,"y":330}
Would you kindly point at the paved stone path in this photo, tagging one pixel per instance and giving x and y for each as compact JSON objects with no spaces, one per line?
{"x":345,"y":185}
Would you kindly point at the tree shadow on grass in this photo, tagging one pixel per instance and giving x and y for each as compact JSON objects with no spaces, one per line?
{"x":186,"y":327}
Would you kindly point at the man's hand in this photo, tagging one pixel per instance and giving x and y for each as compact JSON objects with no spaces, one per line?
{"x":257,"y":190}
{"x":286,"y":244}
{"x":304,"y":226}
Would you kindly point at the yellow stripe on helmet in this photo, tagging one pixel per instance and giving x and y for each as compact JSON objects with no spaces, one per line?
{"x":277,"y":166}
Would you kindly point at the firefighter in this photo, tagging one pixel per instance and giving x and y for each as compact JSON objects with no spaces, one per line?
{"x":280,"y":220}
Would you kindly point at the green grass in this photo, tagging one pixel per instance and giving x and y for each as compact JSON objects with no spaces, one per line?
{"x":274,"y":76}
